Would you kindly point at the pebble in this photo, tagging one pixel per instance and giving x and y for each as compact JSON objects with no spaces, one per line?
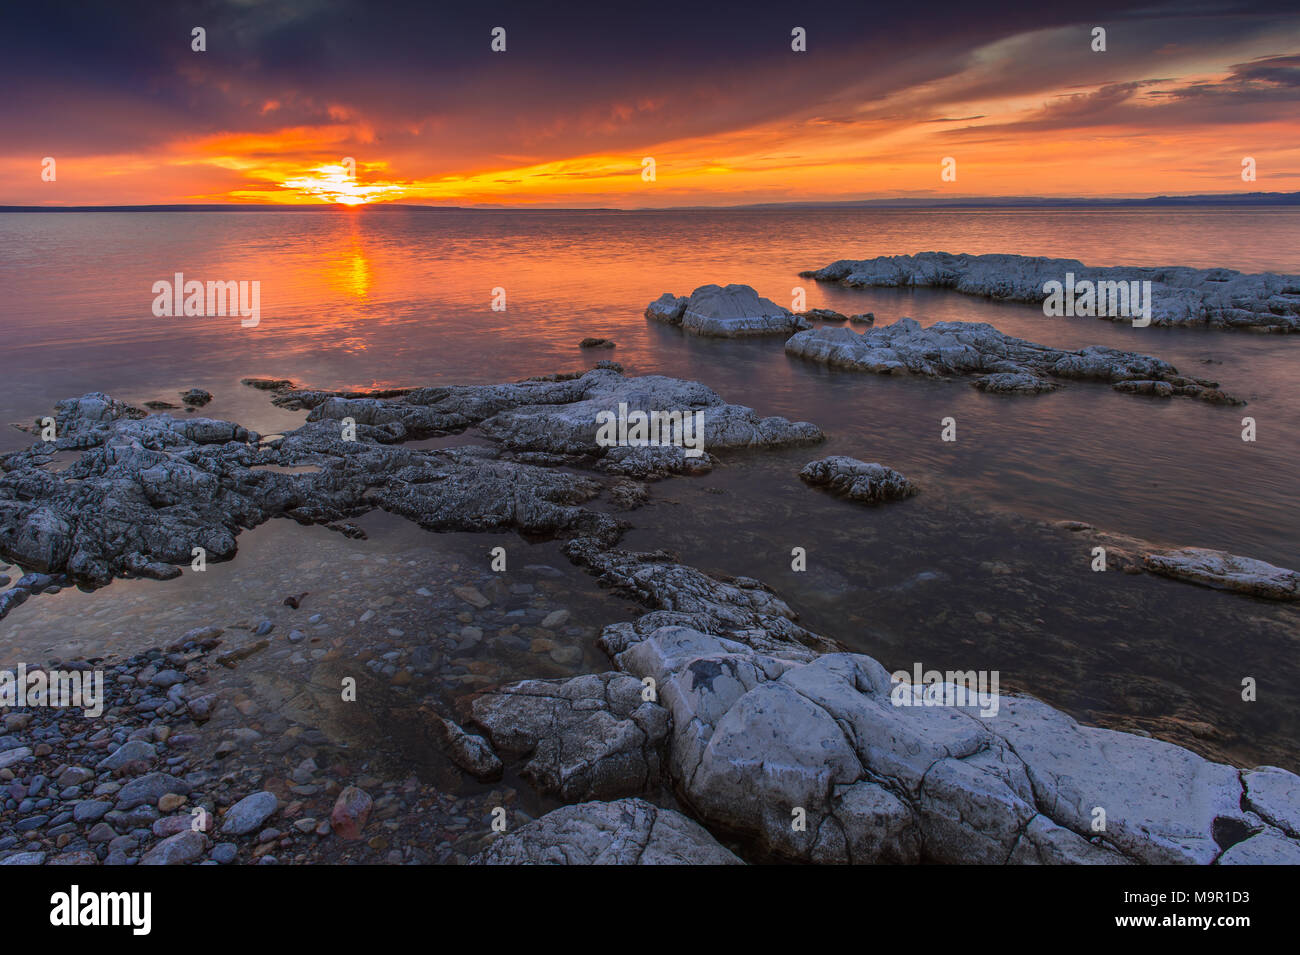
{"x":249,"y":813}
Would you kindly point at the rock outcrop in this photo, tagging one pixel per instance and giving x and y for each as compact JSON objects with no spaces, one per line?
{"x":967,"y":349}
{"x":149,"y":489}
{"x":732,"y":312}
{"x":1179,"y":296}
{"x":809,"y":753}
{"x":626,"y":832}
{"x":857,"y":480}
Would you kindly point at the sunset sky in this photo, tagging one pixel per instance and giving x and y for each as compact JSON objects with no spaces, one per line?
{"x":414,"y":94}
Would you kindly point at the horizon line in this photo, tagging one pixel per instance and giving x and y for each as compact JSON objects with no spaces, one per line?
{"x":1224,"y":198}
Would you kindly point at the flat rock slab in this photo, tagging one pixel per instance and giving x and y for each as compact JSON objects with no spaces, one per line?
{"x":977,"y":349}
{"x":624,"y":832}
{"x":1215,"y":568}
{"x":734,"y":311}
{"x":1180,"y":296}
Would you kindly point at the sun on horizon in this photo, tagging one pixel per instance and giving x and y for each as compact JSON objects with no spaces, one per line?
{"x":337,"y":183}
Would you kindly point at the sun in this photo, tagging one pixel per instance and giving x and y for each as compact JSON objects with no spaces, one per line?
{"x":333,"y":182}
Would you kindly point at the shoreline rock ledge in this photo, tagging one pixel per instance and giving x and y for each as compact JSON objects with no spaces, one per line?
{"x":771,"y":725}
{"x":997,"y":362}
{"x":735,"y":311}
{"x":1180,"y":296}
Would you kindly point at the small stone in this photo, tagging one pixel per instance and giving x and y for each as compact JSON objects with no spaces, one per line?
{"x":180,"y":849}
{"x":224,"y":853}
{"x":171,"y":801}
{"x":472,"y":596}
{"x":351,"y":811}
{"x":556,"y":618}
{"x":249,"y":813}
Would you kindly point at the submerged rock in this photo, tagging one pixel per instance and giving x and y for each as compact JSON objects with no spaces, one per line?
{"x":1198,"y":565}
{"x":731,"y":312}
{"x":857,"y":480}
{"x":1006,"y":364}
{"x":1179,"y":296}
{"x":626,"y":832}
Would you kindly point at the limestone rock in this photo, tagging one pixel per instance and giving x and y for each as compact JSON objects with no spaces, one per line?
{"x":625,"y":832}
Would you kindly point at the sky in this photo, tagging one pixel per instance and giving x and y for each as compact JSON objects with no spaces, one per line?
{"x":323,"y":101}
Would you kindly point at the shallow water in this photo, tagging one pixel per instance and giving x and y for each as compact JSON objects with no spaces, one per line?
{"x":379,"y":297}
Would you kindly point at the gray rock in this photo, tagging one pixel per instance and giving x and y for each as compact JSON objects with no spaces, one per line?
{"x":857,"y":480}
{"x":249,"y":813}
{"x":626,"y":832}
{"x":1180,"y":296}
{"x":591,"y":737}
{"x":91,"y":810}
{"x":471,"y":753}
{"x":181,"y":849}
{"x":1224,"y":571}
{"x":148,"y":789}
{"x":1268,"y":847}
{"x":24,"y":858}
{"x":1020,"y":383}
{"x":967,"y":349}
{"x":148,"y":489}
{"x":731,"y":312}
{"x":765,"y":723}
{"x":128,"y":752}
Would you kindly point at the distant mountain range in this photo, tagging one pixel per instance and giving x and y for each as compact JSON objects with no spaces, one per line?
{"x":966,"y":202}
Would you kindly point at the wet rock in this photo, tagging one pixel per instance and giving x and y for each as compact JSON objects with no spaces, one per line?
{"x":1224,"y":571}
{"x":857,"y":480}
{"x":136,"y":749}
{"x":472,"y":596}
{"x":196,"y":397}
{"x":966,"y":349}
{"x":249,"y":813}
{"x":596,"y":343}
{"x":1179,"y":296}
{"x":148,"y":789}
{"x":350,"y":813}
{"x":625,"y":832}
{"x":877,"y":781}
{"x":592,"y":737}
{"x":730,"y":312}
{"x":181,"y":849}
{"x":1012,"y":383}
{"x":471,"y":753}
{"x":822,"y":315}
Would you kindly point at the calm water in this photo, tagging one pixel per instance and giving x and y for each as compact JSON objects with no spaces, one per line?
{"x":370,"y":297}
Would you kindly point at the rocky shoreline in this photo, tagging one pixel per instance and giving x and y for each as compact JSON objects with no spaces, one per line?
{"x":771,"y":727}
{"x":724,"y":731}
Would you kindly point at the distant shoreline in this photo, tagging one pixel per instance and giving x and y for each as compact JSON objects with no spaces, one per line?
{"x":1223,"y":200}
